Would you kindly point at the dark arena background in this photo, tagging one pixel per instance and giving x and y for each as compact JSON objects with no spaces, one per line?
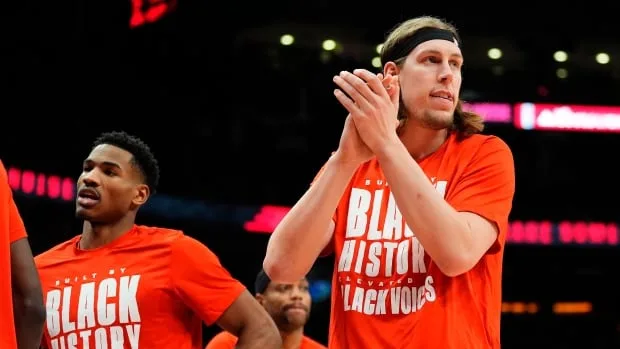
{"x":241,"y":117}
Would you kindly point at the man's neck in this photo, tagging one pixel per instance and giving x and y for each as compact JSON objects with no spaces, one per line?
{"x":96,"y":235}
{"x":292,"y":340}
{"x":421,"y":141}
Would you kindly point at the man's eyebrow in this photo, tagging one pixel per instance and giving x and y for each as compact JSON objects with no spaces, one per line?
{"x":437,"y":52}
{"x":106,"y":163}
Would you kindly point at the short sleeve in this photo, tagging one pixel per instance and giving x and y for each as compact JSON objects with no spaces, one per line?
{"x":222,"y":340}
{"x":17,"y":230}
{"x":200,"y":280}
{"x":487,"y":186}
{"x":16,"y":226}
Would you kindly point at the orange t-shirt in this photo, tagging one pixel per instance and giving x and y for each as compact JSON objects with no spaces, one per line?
{"x":387,"y":292}
{"x":226,"y":340}
{"x":11,"y":230}
{"x":150,"y":288}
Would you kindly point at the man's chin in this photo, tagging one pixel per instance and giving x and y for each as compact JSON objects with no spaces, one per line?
{"x":439,"y":119}
{"x":292,"y":325}
{"x":82,"y":213}
{"x":297,"y":320}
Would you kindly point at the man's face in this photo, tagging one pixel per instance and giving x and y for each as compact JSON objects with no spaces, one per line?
{"x":430,"y":81}
{"x":109,"y":186}
{"x":288,"y":304}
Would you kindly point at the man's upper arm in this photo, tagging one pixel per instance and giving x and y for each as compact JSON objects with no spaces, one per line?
{"x":329,"y":247}
{"x":245,"y":309}
{"x":17,"y":230}
{"x":200,"y":280}
{"x":24,"y":275}
{"x":487,"y":189}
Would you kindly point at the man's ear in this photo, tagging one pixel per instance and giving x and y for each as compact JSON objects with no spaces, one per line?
{"x":260,"y":298}
{"x":142,"y":195}
{"x":390,"y":68}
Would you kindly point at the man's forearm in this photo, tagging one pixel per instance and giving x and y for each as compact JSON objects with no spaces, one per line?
{"x":259,"y":336}
{"x":29,"y":315}
{"x":435,"y":223}
{"x":299,"y":238}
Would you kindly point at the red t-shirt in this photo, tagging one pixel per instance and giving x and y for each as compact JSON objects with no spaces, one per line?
{"x":11,"y":230}
{"x":150,"y":288}
{"x":387,"y":292}
{"x":226,"y":340}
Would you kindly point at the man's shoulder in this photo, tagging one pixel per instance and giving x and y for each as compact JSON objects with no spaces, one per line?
{"x":57,"y":253}
{"x":477,"y":141}
{"x":476,"y":148}
{"x":159,"y":233}
{"x":180,"y":244}
{"x":158,"y":237}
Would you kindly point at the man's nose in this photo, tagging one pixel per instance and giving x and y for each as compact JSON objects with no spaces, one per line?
{"x":296,"y":293}
{"x":90,"y":179}
{"x":446,"y":74}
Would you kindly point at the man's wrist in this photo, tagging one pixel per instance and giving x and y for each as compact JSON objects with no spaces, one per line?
{"x":341,"y":164}
{"x":387,"y":149}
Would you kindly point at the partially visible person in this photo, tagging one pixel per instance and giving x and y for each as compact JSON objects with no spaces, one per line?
{"x":123,"y":285}
{"x":22,"y":312}
{"x":414,"y":204}
{"x":289,"y":306}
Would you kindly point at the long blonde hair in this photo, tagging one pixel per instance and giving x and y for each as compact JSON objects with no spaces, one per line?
{"x":466,"y":123}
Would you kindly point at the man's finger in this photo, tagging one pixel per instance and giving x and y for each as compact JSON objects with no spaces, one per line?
{"x":356,"y":89}
{"x":372,"y":81}
{"x":346,"y":102}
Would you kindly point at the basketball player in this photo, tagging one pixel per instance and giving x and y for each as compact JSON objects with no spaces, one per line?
{"x":22,"y":312}
{"x":122,"y":285}
{"x":289,"y":306}
{"x":414,"y":203}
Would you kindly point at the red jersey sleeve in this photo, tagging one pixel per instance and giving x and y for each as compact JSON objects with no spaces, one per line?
{"x":16,"y":225}
{"x":17,"y":230}
{"x":222,"y":340}
{"x":487,"y":186}
{"x":201,"y":281}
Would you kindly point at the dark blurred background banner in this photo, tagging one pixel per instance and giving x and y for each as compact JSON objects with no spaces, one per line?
{"x":236,"y":102}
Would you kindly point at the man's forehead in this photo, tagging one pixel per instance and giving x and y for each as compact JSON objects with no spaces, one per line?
{"x":444,"y":47}
{"x":108,"y":152}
